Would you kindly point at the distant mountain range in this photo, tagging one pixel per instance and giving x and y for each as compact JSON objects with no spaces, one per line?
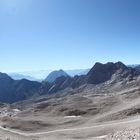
{"x":39,"y":75}
{"x":42,"y":74}
{"x":78,"y":72}
{"x":17,"y":76}
{"x":16,"y":90}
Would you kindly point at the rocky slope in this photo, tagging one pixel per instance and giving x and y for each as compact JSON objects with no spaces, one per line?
{"x":79,"y":102}
{"x":126,"y":134}
{"x":100,"y":73}
{"x":137,"y":67}
{"x":16,"y":90}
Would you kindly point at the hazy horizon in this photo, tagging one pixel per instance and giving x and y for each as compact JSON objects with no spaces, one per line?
{"x":67,"y":34}
{"x":37,"y":70}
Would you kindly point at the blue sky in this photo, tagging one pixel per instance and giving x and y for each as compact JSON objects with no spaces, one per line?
{"x":68,"y":34}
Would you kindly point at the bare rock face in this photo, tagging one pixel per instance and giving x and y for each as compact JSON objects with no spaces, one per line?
{"x":100,"y":73}
{"x":103,"y":72}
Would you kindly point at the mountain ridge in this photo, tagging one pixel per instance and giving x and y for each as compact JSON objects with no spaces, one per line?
{"x":15,"y":90}
{"x":98,"y":74}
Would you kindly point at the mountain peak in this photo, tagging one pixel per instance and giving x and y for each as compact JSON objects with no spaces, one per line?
{"x":103,"y":72}
{"x":60,"y":70}
{"x":55,"y":74}
{"x":119,"y":64}
{"x":4,"y":76}
{"x":109,"y":65}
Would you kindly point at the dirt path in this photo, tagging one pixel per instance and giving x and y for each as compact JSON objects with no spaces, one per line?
{"x":72,"y":129}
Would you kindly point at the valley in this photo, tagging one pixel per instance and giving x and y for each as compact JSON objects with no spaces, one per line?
{"x":78,"y":109}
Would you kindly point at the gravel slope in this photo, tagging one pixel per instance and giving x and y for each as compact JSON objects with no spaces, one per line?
{"x":126,"y":134}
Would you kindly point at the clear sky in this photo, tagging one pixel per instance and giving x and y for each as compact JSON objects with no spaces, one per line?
{"x":68,"y":34}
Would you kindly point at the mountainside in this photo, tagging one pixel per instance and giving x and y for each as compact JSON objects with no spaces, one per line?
{"x":54,"y":75}
{"x":16,"y":90}
{"x":90,"y":109}
{"x":115,"y":71}
{"x":100,"y":73}
{"x":137,"y":67}
{"x":107,"y":97}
